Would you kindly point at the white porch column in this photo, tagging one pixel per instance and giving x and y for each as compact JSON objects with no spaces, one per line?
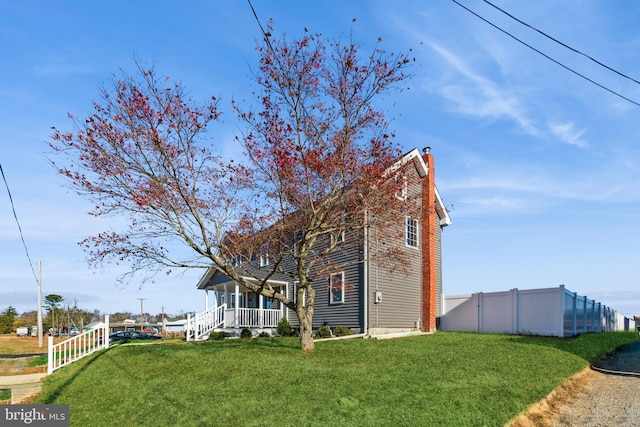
{"x":226,"y":295}
{"x":285,"y":312}
{"x":206,"y":299}
{"x":261,"y":310}
{"x":237,"y":303}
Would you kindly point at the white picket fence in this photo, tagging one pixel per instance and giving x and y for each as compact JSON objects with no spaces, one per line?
{"x":550,"y":311}
{"x":77,"y":347}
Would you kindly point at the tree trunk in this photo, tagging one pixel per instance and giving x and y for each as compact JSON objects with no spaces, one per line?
{"x":306,"y":333}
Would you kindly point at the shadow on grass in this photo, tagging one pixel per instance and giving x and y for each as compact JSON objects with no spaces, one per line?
{"x":590,"y":346}
{"x":273,"y":342}
{"x":51,"y":398}
{"x":624,"y":362}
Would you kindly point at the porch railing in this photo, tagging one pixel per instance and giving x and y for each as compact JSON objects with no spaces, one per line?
{"x":75,"y":348}
{"x":203,"y":323}
{"x":258,"y":318}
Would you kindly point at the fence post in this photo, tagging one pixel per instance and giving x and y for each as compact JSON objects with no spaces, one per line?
{"x":515,"y":311}
{"x":50,"y":355}
{"x":480,"y":312}
{"x":561,"y":294}
{"x":584,"y":315}
{"x":575,"y":314}
{"x":106,"y":330}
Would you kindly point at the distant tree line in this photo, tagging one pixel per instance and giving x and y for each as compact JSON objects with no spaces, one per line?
{"x":62,"y":315}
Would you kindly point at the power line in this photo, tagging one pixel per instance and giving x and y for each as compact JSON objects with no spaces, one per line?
{"x":18,"y":222}
{"x":547,"y":56}
{"x":561,"y":43}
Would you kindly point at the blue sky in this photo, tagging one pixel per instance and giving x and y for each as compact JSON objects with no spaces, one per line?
{"x":539,"y":167}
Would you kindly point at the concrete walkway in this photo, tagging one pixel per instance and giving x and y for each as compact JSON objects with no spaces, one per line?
{"x":22,"y":386}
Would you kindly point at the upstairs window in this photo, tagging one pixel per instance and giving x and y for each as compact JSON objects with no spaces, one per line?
{"x":237,"y":260}
{"x":263,"y":259}
{"x":336,"y":288}
{"x":412,"y":232}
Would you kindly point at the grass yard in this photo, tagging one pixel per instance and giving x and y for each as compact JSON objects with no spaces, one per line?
{"x":445,"y":379}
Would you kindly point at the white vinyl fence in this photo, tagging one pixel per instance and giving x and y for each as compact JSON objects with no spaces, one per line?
{"x":551,"y":311}
{"x":75,"y":348}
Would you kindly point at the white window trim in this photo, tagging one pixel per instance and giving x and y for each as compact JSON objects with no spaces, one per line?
{"x":331,"y":299}
{"x":417,"y":232}
{"x":263,"y":260}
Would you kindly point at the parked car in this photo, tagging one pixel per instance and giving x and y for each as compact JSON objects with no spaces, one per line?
{"x":132,"y":335}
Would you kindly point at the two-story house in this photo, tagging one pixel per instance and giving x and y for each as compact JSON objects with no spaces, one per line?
{"x":379,"y":299}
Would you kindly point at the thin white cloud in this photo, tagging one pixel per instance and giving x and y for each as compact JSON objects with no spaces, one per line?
{"x":478,"y":96}
{"x":566,"y":133}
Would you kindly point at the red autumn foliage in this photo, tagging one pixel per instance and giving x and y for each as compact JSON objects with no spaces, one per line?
{"x":318,"y":157}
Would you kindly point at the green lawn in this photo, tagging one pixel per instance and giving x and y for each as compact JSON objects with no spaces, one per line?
{"x":445,"y":379}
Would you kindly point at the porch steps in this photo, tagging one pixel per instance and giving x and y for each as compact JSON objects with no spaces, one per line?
{"x":202,"y":324}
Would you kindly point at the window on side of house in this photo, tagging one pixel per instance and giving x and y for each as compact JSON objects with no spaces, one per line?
{"x":241,"y":300}
{"x":336,"y":288}
{"x":264,"y":256}
{"x":412,"y":232}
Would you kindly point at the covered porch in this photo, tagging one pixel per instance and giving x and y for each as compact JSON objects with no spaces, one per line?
{"x":245,"y":308}
{"x":230,"y":307}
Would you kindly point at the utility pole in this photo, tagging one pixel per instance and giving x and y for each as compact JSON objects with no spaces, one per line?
{"x":141,"y":315}
{"x":163,"y":331}
{"x":40,"y":331}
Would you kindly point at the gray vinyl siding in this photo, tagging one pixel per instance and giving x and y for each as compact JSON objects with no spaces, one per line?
{"x":401,"y":288}
{"x":350,"y":312}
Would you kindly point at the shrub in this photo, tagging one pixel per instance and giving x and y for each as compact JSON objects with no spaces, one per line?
{"x":284,"y":328}
{"x":342,"y":331}
{"x":219,"y":335}
{"x":246,"y":333}
{"x":323,"y":332}
{"x":264,"y":335}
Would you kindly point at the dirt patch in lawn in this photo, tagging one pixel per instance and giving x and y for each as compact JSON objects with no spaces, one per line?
{"x":20,"y":366}
{"x":11,"y":345}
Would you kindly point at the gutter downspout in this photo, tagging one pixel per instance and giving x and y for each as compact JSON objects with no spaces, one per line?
{"x":365,"y":276}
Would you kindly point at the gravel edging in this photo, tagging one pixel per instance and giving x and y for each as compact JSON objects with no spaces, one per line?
{"x":604,"y":394}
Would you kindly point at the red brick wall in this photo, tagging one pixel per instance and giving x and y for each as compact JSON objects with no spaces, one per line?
{"x":429,"y":263}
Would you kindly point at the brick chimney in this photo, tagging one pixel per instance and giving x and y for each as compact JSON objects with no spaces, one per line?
{"x":428,"y":237}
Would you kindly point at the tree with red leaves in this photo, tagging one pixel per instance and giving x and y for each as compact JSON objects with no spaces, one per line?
{"x":318,"y":151}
